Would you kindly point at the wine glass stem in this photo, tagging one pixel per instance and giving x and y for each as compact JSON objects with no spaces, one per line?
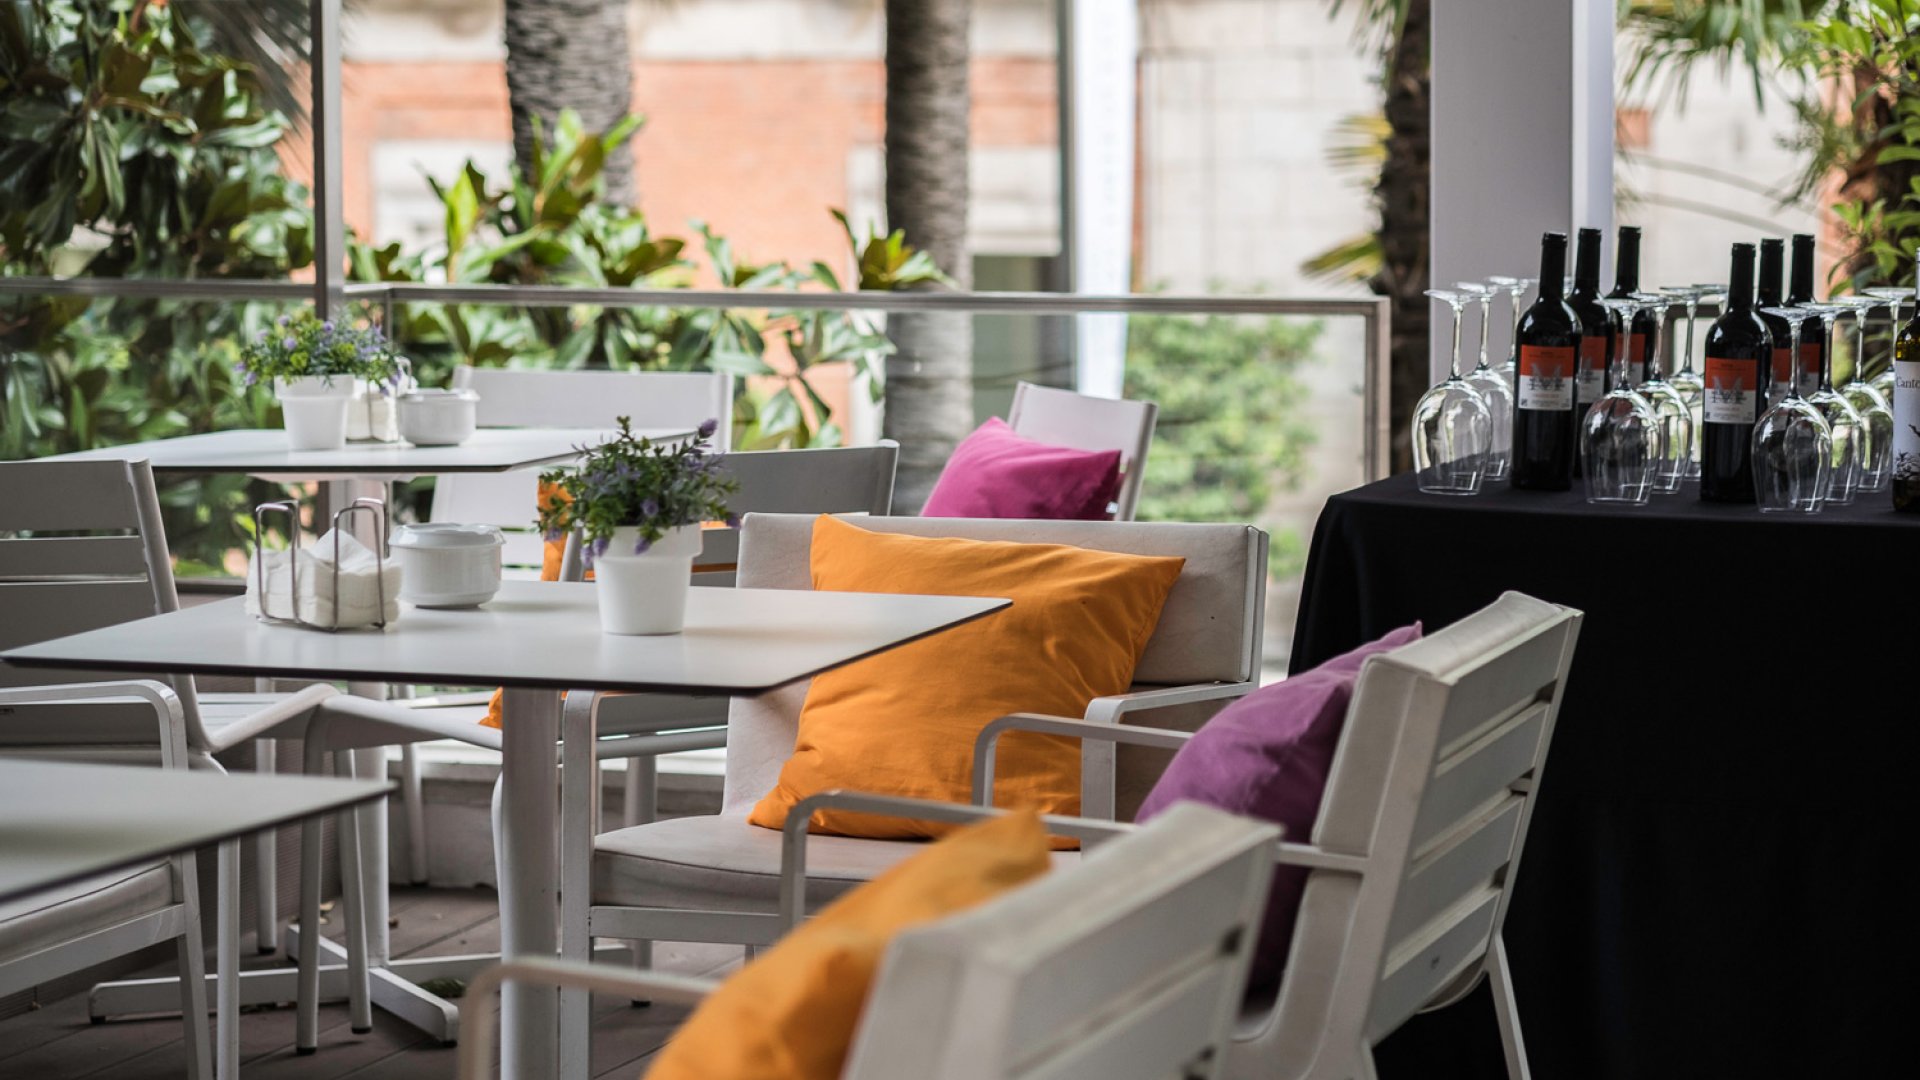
{"x":1486,"y":309}
{"x":1686,"y":362}
{"x":1457,"y":309}
{"x":1514,"y":341}
{"x":1793,"y":371}
{"x":1621,"y":380}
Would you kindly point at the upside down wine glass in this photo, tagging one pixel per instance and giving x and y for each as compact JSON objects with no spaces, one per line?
{"x":1619,"y":438}
{"x":1494,"y":390}
{"x":1452,"y":430}
{"x":1792,"y":448}
{"x":1672,"y":419}
{"x":1686,"y":381}
{"x":1516,"y":287}
{"x":1844,"y":426}
{"x":1896,"y":298}
{"x":1876,"y":415}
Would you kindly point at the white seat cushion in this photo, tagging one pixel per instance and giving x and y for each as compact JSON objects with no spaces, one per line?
{"x":724,"y":864}
{"x":31,"y":923}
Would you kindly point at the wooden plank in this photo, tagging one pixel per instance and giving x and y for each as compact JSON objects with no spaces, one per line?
{"x":78,"y":556}
{"x":1478,"y":774}
{"x":59,"y":496}
{"x":1466,"y":860}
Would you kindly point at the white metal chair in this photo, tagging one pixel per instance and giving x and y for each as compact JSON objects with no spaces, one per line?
{"x":716,"y":878}
{"x":1064,"y":418}
{"x":76,"y":926}
{"x":1417,"y":843}
{"x":1168,"y":910}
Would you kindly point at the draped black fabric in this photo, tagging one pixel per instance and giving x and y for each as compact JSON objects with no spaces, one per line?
{"x":1709,"y":888}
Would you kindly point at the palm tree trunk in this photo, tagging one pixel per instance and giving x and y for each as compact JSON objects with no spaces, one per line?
{"x":1405,"y":196}
{"x":929,"y":406}
{"x":570,"y":54}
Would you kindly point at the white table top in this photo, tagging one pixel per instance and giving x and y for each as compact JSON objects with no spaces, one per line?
{"x":62,"y":822}
{"x":533,"y":634}
{"x":263,"y":452}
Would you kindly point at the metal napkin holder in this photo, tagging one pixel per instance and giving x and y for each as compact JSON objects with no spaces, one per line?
{"x":345,"y":514}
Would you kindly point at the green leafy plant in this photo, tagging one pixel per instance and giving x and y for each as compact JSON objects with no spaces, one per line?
{"x":305,"y":345}
{"x":631,"y":481}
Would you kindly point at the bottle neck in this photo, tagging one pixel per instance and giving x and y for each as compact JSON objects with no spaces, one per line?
{"x":1740,"y":284}
{"x":1626,"y":270}
{"x":1800,"y":289}
{"x":1770,"y":259}
{"x":1586,"y":266}
{"x":1553,"y":266}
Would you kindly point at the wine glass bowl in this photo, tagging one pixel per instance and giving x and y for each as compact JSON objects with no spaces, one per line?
{"x":1619,"y":438}
{"x":1685,"y":380}
{"x":1852,"y":433}
{"x":1493,"y":388}
{"x":1895,"y":297}
{"x":1515,"y":287}
{"x":1452,"y":429}
{"x":1792,"y":446}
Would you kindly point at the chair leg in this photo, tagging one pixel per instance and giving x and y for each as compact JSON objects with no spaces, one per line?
{"x":226,"y":982}
{"x":1507,"y":1011}
{"x":266,"y":860}
{"x":353,"y":882}
{"x":416,"y":807}
{"x":191,"y":949}
{"x":307,"y":991}
{"x":642,"y":808}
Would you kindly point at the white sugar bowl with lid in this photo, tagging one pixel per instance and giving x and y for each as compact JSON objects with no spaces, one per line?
{"x":448,"y":565}
{"x":438,"y":417}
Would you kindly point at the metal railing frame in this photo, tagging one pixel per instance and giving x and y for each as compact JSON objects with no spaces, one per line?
{"x":1371,"y":311}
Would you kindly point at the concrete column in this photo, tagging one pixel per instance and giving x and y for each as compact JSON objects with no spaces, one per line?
{"x":1522,"y":138}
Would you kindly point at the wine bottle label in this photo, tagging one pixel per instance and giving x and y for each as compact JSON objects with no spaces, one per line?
{"x":1592,"y":380}
{"x":1782,"y":365}
{"x":1637,"y":348}
{"x":1546,"y":377}
{"x":1809,"y":366}
{"x":1730,"y":394}
{"x":1906,"y":420}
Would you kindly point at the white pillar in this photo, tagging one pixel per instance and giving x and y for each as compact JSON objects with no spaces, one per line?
{"x":1522,"y":138}
{"x":1100,"y":47}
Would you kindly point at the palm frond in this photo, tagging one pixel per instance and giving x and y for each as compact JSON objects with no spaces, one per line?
{"x":270,"y":36}
{"x":1669,"y":39}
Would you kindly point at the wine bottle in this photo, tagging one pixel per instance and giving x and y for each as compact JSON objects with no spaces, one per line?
{"x":1596,"y":324}
{"x":1813,"y":344}
{"x":1544,"y":412}
{"x":1906,"y":413}
{"x":1626,"y":282}
{"x":1739,"y":348}
{"x":1772,"y":264}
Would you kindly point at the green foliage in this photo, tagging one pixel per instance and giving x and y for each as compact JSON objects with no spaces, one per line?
{"x":886,"y":263}
{"x":129,"y":150}
{"x":303,"y":345}
{"x":631,"y":481}
{"x":1668,"y":39}
{"x":1231,"y":431}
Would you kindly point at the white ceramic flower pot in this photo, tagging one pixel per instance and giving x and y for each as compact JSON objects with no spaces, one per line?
{"x":315,"y":411}
{"x":646,"y":593}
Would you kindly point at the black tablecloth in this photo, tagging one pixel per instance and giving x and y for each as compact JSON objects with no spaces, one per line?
{"x":1709,"y":888}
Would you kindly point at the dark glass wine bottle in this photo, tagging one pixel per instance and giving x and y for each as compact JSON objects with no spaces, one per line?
{"x":1906,"y":413}
{"x":1596,"y":323}
{"x":1739,"y":348}
{"x":1543,"y":403}
{"x":1772,"y":265}
{"x":1813,"y":344}
{"x":1626,"y":282}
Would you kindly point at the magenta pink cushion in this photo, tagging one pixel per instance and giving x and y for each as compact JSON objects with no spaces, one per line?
{"x":995,"y":473}
{"x":1267,"y":756}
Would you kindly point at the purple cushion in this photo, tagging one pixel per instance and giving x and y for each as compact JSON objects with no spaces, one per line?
{"x":995,"y":473}
{"x":1267,"y":756}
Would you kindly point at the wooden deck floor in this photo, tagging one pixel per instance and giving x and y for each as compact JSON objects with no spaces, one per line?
{"x":58,"y":1043}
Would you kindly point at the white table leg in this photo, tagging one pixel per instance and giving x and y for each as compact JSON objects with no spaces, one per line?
{"x":529,"y":870}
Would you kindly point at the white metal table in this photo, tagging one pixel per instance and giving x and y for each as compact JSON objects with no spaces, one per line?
{"x":356,"y":470}
{"x":533,"y":638}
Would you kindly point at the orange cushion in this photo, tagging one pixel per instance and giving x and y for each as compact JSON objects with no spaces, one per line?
{"x":903,"y":722}
{"x":791,"y":1014}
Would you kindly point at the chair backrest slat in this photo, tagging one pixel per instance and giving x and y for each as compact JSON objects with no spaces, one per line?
{"x":43,"y":610}
{"x":1064,"y":418}
{"x":67,"y":496}
{"x":1432,"y":962}
{"x":1128,"y":964}
{"x":72,"y":557}
{"x":1209,"y":629}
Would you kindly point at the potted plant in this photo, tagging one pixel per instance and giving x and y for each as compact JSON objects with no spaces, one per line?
{"x":313,"y":364}
{"x":639,"y":506}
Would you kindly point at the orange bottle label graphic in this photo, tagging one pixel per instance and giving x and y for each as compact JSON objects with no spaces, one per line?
{"x":1731,"y":394}
{"x":1546,"y":377}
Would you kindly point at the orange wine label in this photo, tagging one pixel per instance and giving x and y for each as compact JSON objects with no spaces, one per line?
{"x":1546,"y":377}
{"x":1810,"y":360}
{"x":1591,"y":381}
{"x":1782,"y":364}
{"x":1730,"y":395}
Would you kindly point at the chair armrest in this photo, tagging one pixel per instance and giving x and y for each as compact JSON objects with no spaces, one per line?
{"x":166,"y":706}
{"x":1312,"y":858}
{"x":793,"y":848}
{"x":1109,"y":709}
{"x":987,"y":745}
{"x":477,"y":1009}
{"x":456,"y":700}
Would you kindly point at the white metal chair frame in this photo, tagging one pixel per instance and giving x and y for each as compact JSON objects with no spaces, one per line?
{"x":178,"y":919}
{"x":583,"y":920}
{"x":1064,"y":418}
{"x":971,"y":997}
{"x":1417,"y":844}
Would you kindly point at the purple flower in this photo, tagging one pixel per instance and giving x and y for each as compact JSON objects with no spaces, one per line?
{"x":552,"y":535}
{"x":263,"y":337}
{"x":239,"y":367}
{"x":284,"y":320}
{"x":252,"y":377}
{"x":327,"y":327}
{"x":289,"y":343}
{"x":641,"y":545}
{"x":649,"y":508}
{"x":733,"y":521}
{"x":708,"y":428}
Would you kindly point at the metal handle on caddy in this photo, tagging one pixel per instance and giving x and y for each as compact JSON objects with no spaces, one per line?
{"x":292,"y":509}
